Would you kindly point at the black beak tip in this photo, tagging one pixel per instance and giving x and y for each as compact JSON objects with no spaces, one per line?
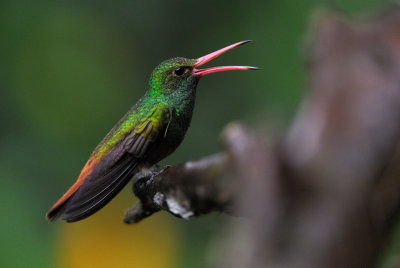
{"x":245,"y":42}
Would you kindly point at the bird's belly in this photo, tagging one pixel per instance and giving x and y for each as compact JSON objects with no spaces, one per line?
{"x":166,"y":144}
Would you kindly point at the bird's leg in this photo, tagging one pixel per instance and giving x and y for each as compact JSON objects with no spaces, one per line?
{"x":145,"y":175}
{"x":142,"y":182}
{"x":159,"y":170}
{"x":144,"y":208}
{"x":156,"y":169}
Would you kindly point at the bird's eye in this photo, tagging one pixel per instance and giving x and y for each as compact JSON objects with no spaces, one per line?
{"x":179,"y":71}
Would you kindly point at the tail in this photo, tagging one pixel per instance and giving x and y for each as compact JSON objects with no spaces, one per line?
{"x":59,"y":206}
{"x":97,"y":189}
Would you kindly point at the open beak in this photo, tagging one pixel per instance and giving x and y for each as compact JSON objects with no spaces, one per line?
{"x":202,"y":60}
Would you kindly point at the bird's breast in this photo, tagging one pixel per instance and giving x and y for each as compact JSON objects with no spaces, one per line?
{"x":174,"y":133}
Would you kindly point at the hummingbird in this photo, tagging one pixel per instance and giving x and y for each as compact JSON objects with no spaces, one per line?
{"x":151,"y":130}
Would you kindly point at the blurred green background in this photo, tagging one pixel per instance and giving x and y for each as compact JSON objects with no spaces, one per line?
{"x":70,"y":69}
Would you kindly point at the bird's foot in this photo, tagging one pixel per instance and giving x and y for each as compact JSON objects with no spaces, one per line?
{"x":145,"y":176}
{"x":160,"y":170}
{"x":142,"y":183}
{"x":141,"y":179}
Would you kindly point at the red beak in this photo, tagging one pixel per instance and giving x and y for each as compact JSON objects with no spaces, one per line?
{"x":202,"y":60}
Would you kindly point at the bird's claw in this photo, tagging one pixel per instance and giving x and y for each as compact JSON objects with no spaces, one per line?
{"x":164,"y":168}
{"x":145,"y":176}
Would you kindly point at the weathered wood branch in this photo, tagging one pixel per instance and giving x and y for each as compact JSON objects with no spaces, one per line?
{"x":328,"y":194}
{"x":185,"y":190}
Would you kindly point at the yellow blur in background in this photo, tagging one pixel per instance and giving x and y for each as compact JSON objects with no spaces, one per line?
{"x":103,"y":240}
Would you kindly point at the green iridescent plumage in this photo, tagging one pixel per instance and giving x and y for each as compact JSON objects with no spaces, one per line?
{"x":166,"y":94}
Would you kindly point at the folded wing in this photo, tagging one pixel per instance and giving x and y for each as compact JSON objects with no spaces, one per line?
{"x":107,"y":177}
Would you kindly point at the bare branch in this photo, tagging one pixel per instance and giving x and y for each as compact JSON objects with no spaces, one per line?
{"x":185,"y":190}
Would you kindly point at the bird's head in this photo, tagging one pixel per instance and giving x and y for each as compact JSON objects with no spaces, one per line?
{"x":182,"y":73}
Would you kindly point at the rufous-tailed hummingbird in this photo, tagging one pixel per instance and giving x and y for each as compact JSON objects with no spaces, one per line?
{"x":151,"y":130}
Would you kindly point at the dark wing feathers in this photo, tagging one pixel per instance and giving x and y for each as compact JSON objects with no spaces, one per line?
{"x":95,"y":194}
{"x":116,"y":169}
{"x":140,"y":142}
